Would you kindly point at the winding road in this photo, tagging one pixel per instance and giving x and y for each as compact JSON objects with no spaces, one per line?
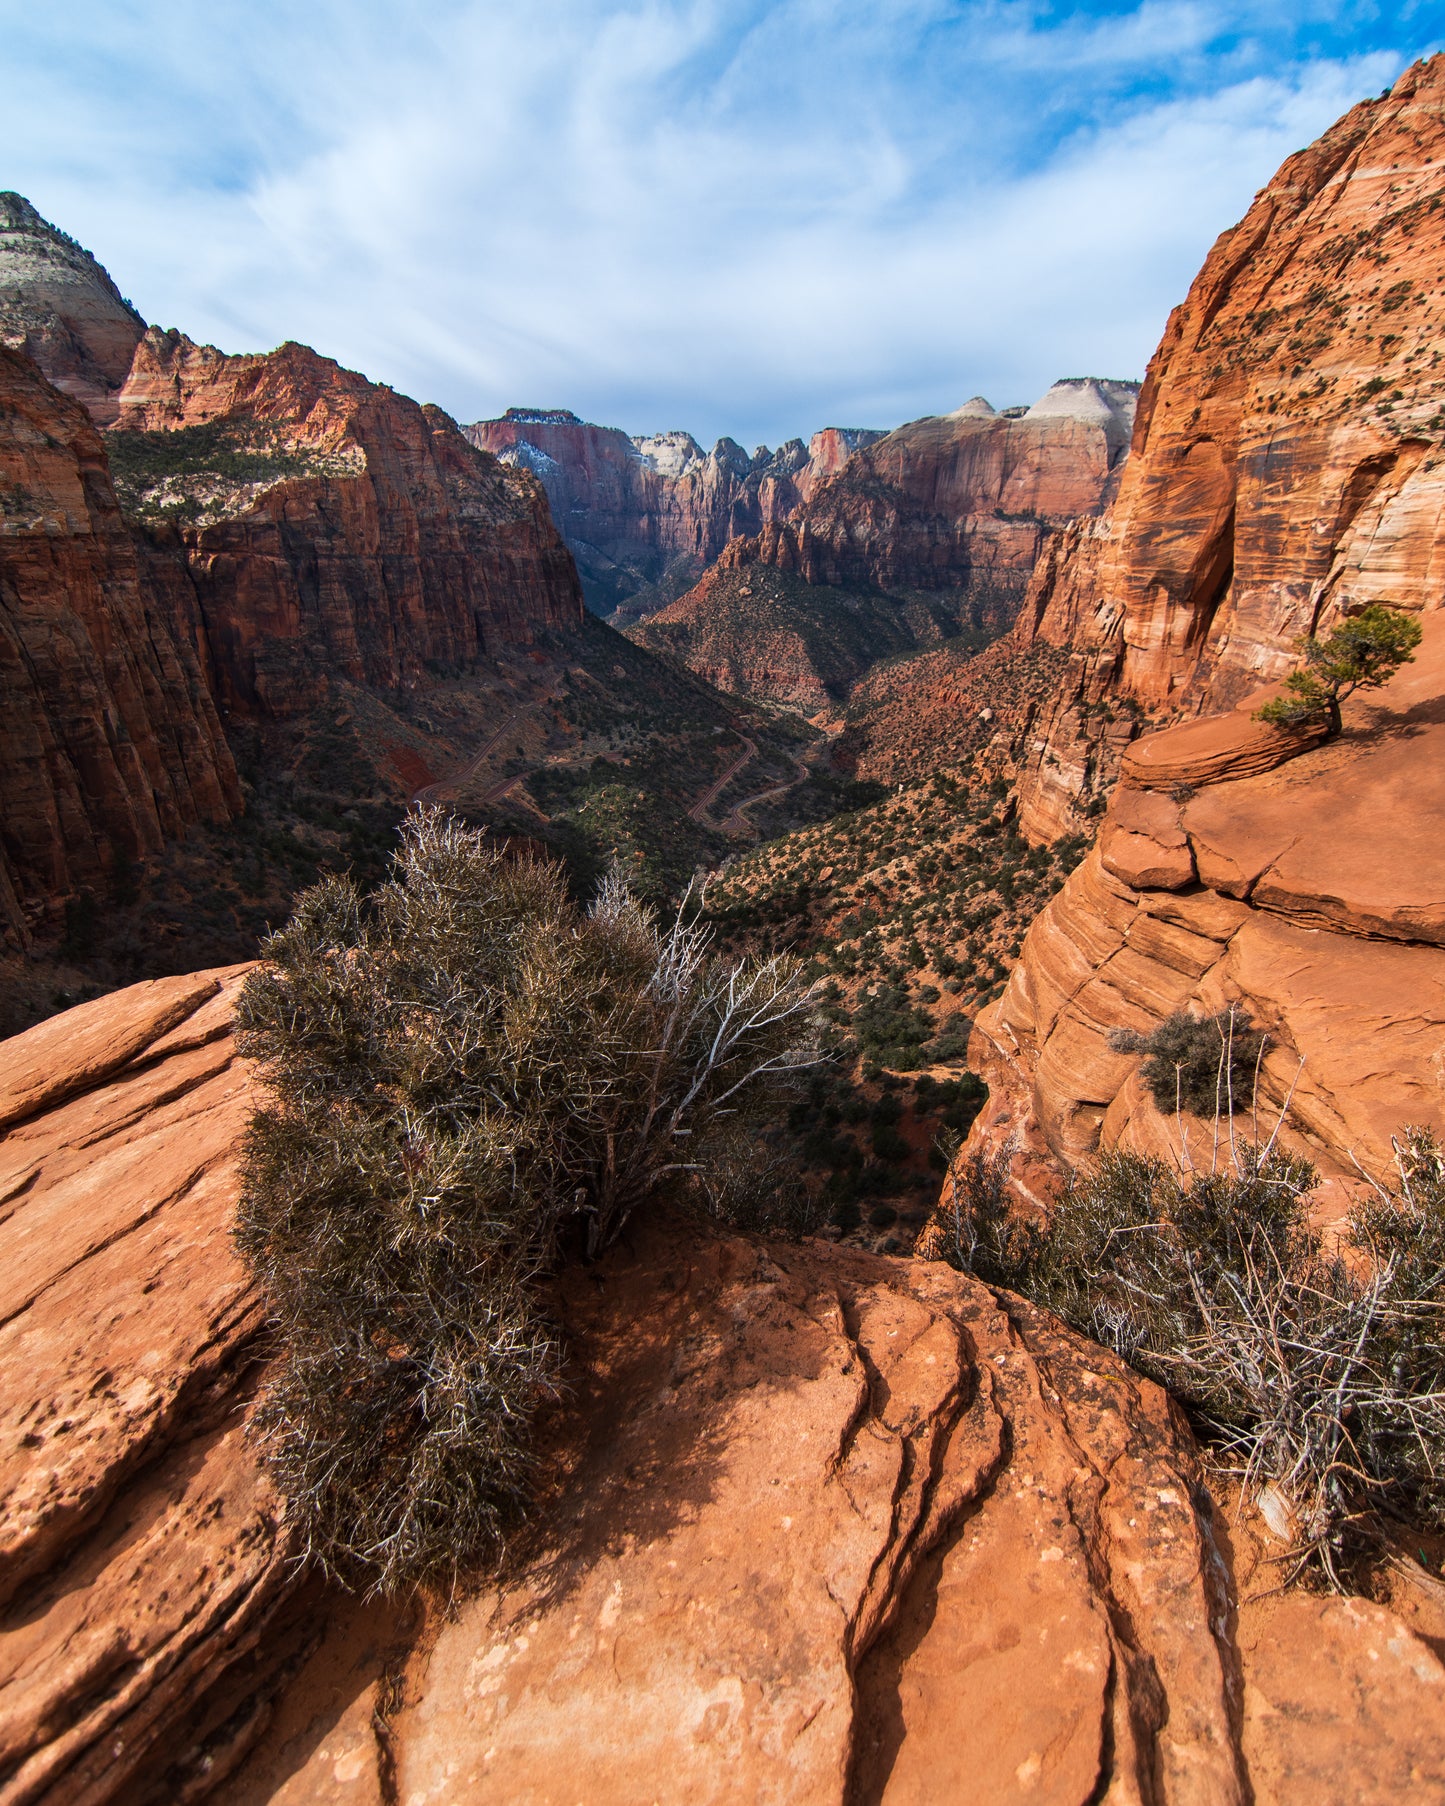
{"x":699,"y":810}
{"x":430,"y":793}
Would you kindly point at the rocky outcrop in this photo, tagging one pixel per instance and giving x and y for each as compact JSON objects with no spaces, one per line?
{"x":1287,"y":461}
{"x":646,"y":514}
{"x":1310,"y":893}
{"x":61,"y":308}
{"x":142,"y":1554}
{"x":341,"y":529}
{"x":109,"y":740}
{"x":816,"y":1525}
{"x":962,"y":501}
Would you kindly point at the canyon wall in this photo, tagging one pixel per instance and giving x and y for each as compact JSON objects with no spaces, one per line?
{"x":962,"y":501}
{"x":340,"y":528}
{"x":110,"y":742}
{"x":648,"y":513}
{"x":1288,"y":466}
{"x":1287,"y":462}
{"x":243,"y":531}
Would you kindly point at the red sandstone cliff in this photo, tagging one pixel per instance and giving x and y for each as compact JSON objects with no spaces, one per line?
{"x":1287,"y":467}
{"x":1287,"y":460}
{"x":654,"y":510}
{"x":962,"y":502}
{"x":109,"y":738}
{"x":396,"y":546}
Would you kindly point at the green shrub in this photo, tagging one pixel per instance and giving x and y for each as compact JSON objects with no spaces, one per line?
{"x":468,"y":1077}
{"x":1362,"y":653}
{"x":1202,"y":1064}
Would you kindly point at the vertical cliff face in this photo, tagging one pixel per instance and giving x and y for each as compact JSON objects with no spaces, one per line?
{"x":301,"y":522}
{"x":963,"y":501}
{"x":1288,"y":467}
{"x":1287,"y":462}
{"x":59,"y":305}
{"x":109,"y":740}
{"x":653,"y":510}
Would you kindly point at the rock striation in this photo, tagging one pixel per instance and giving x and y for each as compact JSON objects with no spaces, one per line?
{"x":110,"y":743}
{"x":1289,"y":465}
{"x":343,"y":529}
{"x":142,"y":1554}
{"x":644,"y":515}
{"x":1257,"y":888}
{"x":1289,"y":451}
{"x":963,"y":501}
{"x":817,"y":1525}
{"x":60,"y":307}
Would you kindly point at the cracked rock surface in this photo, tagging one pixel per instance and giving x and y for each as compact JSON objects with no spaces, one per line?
{"x":816,"y":1525}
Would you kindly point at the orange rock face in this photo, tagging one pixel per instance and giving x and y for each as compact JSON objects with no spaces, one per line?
{"x":109,"y":740}
{"x":1289,"y":450}
{"x":1312,"y":894}
{"x":141,"y":1554}
{"x":638,"y":512}
{"x":818,"y":1525}
{"x":963,"y":501}
{"x":408,"y":548}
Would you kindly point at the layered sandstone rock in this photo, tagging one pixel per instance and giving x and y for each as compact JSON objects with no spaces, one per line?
{"x":109,"y":740}
{"x":385,"y":544}
{"x":142,"y":1555}
{"x":1311,"y":893}
{"x":1289,"y":452}
{"x":963,"y":501}
{"x":817,"y":1525}
{"x":60,"y":307}
{"x":648,"y":513}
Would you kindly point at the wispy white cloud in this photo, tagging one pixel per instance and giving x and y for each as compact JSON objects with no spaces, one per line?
{"x":724,"y":214}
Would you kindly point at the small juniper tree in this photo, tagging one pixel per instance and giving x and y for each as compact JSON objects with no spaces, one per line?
{"x":1362,"y":653}
{"x":466,"y":1076}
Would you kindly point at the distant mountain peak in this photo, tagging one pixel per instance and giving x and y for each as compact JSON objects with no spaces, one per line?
{"x":59,"y":305}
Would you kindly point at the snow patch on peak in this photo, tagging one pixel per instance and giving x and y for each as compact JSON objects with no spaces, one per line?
{"x":530,"y":457}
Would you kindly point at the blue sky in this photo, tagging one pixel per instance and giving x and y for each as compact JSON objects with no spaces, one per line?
{"x":746,"y":218}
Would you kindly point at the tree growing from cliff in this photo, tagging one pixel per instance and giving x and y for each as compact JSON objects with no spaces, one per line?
{"x":1363,"y":652}
{"x":468,"y":1078}
{"x":1205,"y":1064}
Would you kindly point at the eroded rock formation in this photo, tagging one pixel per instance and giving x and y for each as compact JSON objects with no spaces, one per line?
{"x":109,"y":739}
{"x":1287,"y":460}
{"x":381,"y":543}
{"x":1310,"y":893}
{"x":647,"y":513}
{"x":1289,"y":466}
{"x":962,"y":501}
{"x":820,"y":1525}
{"x":60,"y":307}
